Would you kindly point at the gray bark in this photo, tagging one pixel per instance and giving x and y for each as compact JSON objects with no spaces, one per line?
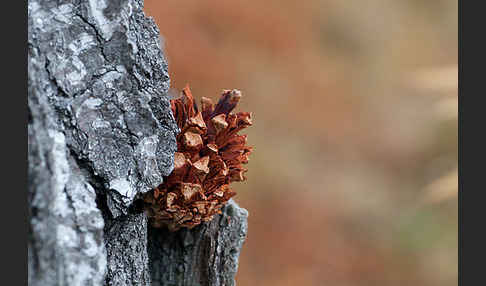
{"x":205,"y":255}
{"x":100,"y":134}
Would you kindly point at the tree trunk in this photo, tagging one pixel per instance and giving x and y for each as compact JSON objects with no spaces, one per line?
{"x":100,"y":134}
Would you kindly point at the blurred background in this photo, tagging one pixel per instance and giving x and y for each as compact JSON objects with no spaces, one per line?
{"x":353,"y":178}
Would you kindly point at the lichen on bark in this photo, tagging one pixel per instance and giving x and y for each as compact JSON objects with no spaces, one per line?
{"x":100,"y":134}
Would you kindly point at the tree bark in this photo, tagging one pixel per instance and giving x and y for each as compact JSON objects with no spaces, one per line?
{"x":100,"y":134}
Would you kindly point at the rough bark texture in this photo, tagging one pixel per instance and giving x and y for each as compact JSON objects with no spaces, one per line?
{"x":100,"y":134}
{"x":205,"y":255}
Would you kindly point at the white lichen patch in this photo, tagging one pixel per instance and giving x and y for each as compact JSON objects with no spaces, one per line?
{"x":67,"y":237}
{"x":38,"y":15}
{"x":60,"y":173}
{"x":84,"y":204}
{"x":148,"y":146}
{"x":91,"y":248}
{"x":102,"y":23}
{"x":121,"y":121}
{"x":63,"y":13}
{"x":99,"y":123}
{"x":32,"y":8}
{"x":83,"y":42}
{"x":78,"y":72}
{"x":80,"y":274}
{"x":121,"y":69}
{"x":124,"y":188}
{"x":92,"y":103}
{"x":110,"y":77}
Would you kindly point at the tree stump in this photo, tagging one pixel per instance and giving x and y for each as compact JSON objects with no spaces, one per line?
{"x":100,"y":134}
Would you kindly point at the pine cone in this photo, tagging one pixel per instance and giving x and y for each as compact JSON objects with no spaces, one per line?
{"x":209,"y":157}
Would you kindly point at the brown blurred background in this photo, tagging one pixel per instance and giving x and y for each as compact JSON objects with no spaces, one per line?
{"x":353,"y":179}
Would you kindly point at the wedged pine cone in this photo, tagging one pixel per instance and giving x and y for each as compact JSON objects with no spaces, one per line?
{"x":209,"y":156}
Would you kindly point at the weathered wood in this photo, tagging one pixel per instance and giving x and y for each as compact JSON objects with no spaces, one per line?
{"x":100,"y":134}
{"x":205,"y":255}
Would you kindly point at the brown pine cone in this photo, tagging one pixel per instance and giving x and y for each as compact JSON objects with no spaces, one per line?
{"x":209,"y":157}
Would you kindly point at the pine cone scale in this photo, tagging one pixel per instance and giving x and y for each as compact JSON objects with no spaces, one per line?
{"x":209,"y":157}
